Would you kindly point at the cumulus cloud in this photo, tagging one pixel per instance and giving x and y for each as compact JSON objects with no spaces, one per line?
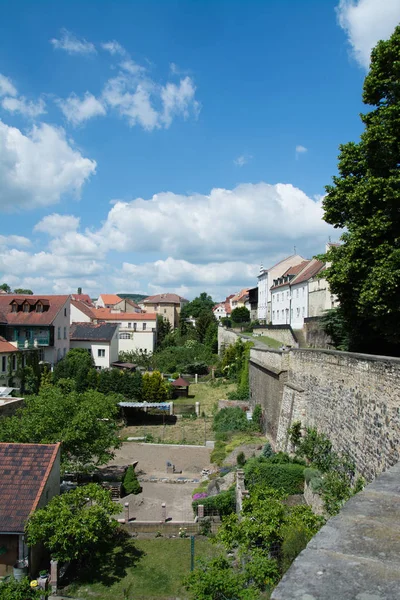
{"x":113,"y":48}
{"x":23,"y":106}
{"x":38,"y":168}
{"x":6,"y":86}
{"x":242,"y":160}
{"x":71,"y":44}
{"x":179,"y":100}
{"x":366,"y":22}
{"x":78,"y":110}
{"x":20,"y":263}
{"x":55,"y":225}
{"x":14,"y":240}
{"x":300,"y":150}
{"x":244,"y":221}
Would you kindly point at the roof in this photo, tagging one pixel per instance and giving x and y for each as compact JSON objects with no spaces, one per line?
{"x":131,"y":303}
{"x":262,"y":272}
{"x":180,"y":382}
{"x":96,"y":332}
{"x":6,"y":346}
{"x":291,"y":271}
{"x":83,"y":298}
{"x":106,"y":315}
{"x":314,"y":267}
{"x":83,"y":307}
{"x":164,"y":299}
{"x":55,"y":304}
{"x":110,"y":298}
{"x":240,"y":295}
{"x":24,"y":470}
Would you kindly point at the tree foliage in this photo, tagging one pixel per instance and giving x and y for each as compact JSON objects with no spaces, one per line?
{"x":75,"y":365}
{"x":131,"y":483}
{"x":364,"y":199}
{"x":5,"y":287}
{"x":24,"y":291}
{"x":18,"y":590}
{"x":155,"y":388}
{"x":74,"y":524}
{"x":202,"y":303}
{"x":85,"y":424}
{"x":240,"y":314}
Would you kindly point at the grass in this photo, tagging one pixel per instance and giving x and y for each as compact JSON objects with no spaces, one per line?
{"x":157,"y":574}
{"x":268,"y":341}
{"x":187,"y":431}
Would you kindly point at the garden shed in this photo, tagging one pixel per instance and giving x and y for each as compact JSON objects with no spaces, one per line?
{"x":181,"y":388}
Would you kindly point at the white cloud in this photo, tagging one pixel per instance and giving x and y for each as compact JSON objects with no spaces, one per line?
{"x":38,"y":168}
{"x":179,"y":100}
{"x":224,"y":225}
{"x":76,"y":110}
{"x":135,"y":106}
{"x":21,"y":263}
{"x":113,"y":48}
{"x":6,"y":86}
{"x":14,"y":240}
{"x":23,"y":106}
{"x":242,"y":160}
{"x":71,"y":44}
{"x":300,"y":150}
{"x":56,"y":225}
{"x":366,"y":22}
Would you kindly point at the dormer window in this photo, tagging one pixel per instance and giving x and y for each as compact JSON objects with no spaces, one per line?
{"x":39,"y":307}
{"x":14,"y":307}
{"x":25,"y":307}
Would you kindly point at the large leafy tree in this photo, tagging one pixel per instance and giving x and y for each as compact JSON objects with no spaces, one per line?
{"x":201,"y":303}
{"x":24,"y":291}
{"x":5,"y":287}
{"x":75,"y":524}
{"x":85,"y":424}
{"x":365,"y":200}
{"x":241,"y":314}
{"x":77,"y":364}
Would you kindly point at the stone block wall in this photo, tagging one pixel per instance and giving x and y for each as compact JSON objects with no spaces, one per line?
{"x":280,"y":333}
{"x":314,"y":334}
{"x":353,"y":398}
{"x":225,"y":338}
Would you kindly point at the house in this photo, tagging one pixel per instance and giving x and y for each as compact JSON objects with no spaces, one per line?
{"x":223,"y":309}
{"x":265,"y":282}
{"x":107,"y":301}
{"x":30,"y":477}
{"x":37,"y":322}
{"x":81,"y":312}
{"x":126,"y":305}
{"x":8,"y":360}
{"x":100,"y":339}
{"x":281,"y":299}
{"x":167,"y":305}
{"x":300,"y":292}
{"x":137,"y":331}
{"x":252,"y":303}
{"x":239,"y":299}
{"x":83,"y":298}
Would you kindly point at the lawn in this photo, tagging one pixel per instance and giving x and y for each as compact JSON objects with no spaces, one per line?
{"x":187,"y":431}
{"x":159,"y":567}
{"x":268,"y":341}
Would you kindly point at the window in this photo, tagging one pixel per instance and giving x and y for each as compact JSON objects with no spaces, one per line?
{"x":287,"y":294}
{"x":14,"y":307}
{"x":297,"y":312}
{"x":291,"y":313}
{"x":39,"y":307}
{"x":283,"y":296}
{"x":302,"y":311}
{"x":277,"y":297}
{"x":65,"y":312}
{"x":65,"y":333}
{"x":64,"y":351}
{"x":101,"y":353}
{"x":165,"y":311}
{"x":4,"y":363}
{"x":59,"y":333}
{"x":144,"y":326}
{"x":129,"y":325}
{"x":26,"y":307}
{"x":125,"y":336}
{"x":155,"y":307}
{"x":273,"y":315}
{"x":297,"y":293}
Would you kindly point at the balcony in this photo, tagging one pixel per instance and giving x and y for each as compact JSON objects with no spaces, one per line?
{"x":35,"y":342}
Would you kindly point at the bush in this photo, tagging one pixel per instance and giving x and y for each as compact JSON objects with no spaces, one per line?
{"x":257,"y":418}
{"x":287,"y":477}
{"x":218,"y":455}
{"x":131,"y":484}
{"x":223,"y":503}
{"x":241,"y":459}
{"x":267,"y":451}
{"x":230,"y":419}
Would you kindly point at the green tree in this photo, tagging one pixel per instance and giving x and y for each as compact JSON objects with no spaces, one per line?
{"x":75,"y":365}
{"x":240,"y":315}
{"x":25,"y":292}
{"x":364,"y":199}
{"x":85,"y":424}
{"x":75,"y":524}
{"x":131,"y":483}
{"x":155,"y":388}
{"x":18,"y":590}
{"x":5,"y":287}
{"x":205,"y":320}
{"x":201,"y":303}
{"x":163,"y":329}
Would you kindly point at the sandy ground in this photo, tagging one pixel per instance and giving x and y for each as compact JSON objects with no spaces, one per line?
{"x":153,"y":458}
{"x":152,"y":462}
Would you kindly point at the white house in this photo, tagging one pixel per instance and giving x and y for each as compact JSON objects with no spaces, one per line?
{"x":81,"y":312}
{"x":100,"y":339}
{"x":281,"y":298}
{"x":299,"y":287}
{"x":107,"y":301}
{"x":137,"y":331}
{"x":8,"y":360}
{"x":266,"y":278}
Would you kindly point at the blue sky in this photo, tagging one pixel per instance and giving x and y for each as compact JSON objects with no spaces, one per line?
{"x":173,"y":146}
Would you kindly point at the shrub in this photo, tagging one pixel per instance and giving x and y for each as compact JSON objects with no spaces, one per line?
{"x":230,"y":419}
{"x":241,"y":459}
{"x":317,"y":447}
{"x":131,"y":484}
{"x":267,"y":451}
{"x":257,"y":418}
{"x":295,"y":539}
{"x":223,"y":503}
{"x":287,"y":477}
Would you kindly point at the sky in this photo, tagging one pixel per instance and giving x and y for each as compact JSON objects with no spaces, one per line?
{"x":173,"y":146}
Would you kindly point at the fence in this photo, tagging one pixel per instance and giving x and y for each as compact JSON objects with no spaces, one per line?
{"x":169,"y":528}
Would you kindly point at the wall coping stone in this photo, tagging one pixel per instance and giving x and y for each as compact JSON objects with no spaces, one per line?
{"x":357,"y":355}
{"x":356,"y":555}
{"x":268,"y":369}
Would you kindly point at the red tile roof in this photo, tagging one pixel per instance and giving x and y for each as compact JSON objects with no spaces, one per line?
{"x":105,"y":314}
{"x":314,"y":267}
{"x":83,"y":298}
{"x":164,"y":299}
{"x":110,"y":298}
{"x":47,"y":317}
{"x":6,"y":346}
{"x":24,"y":470}
{"x":291,"y":271}
{"x":180,"y":382}
{"x":84,"y":308}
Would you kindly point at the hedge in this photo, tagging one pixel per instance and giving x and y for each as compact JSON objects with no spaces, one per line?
{"x":287,"y":476}
{"x":224,"y":503}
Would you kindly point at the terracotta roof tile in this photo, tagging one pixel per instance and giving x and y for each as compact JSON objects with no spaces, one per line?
{"x":180,"y":382}
{"x":164,"y":299}
{"x":24,"y":470}
{"x":293,"y":271}
{"x":110,"y":298}
{"x":105,"y":314}
{"x":6,"y":346}
{"x":55,"y":303}
{"x":314,"y":267}
{"x":83,"y":298}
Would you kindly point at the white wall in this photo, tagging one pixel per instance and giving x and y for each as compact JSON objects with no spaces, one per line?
{"x":219,"y":312}
{"x":99,"y":361}
{"x":139,"y":341}
{"x":320,"y":298}
{"x":61,"y":346}
{"x":280,"y":305}
{"x":262,"y":296}
{"x":299,"y":304}
{"x":77,"y":316}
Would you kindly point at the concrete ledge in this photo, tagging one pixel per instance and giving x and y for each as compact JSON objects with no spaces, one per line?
{"x":356,"y":555}
{"x":353,"y":355}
